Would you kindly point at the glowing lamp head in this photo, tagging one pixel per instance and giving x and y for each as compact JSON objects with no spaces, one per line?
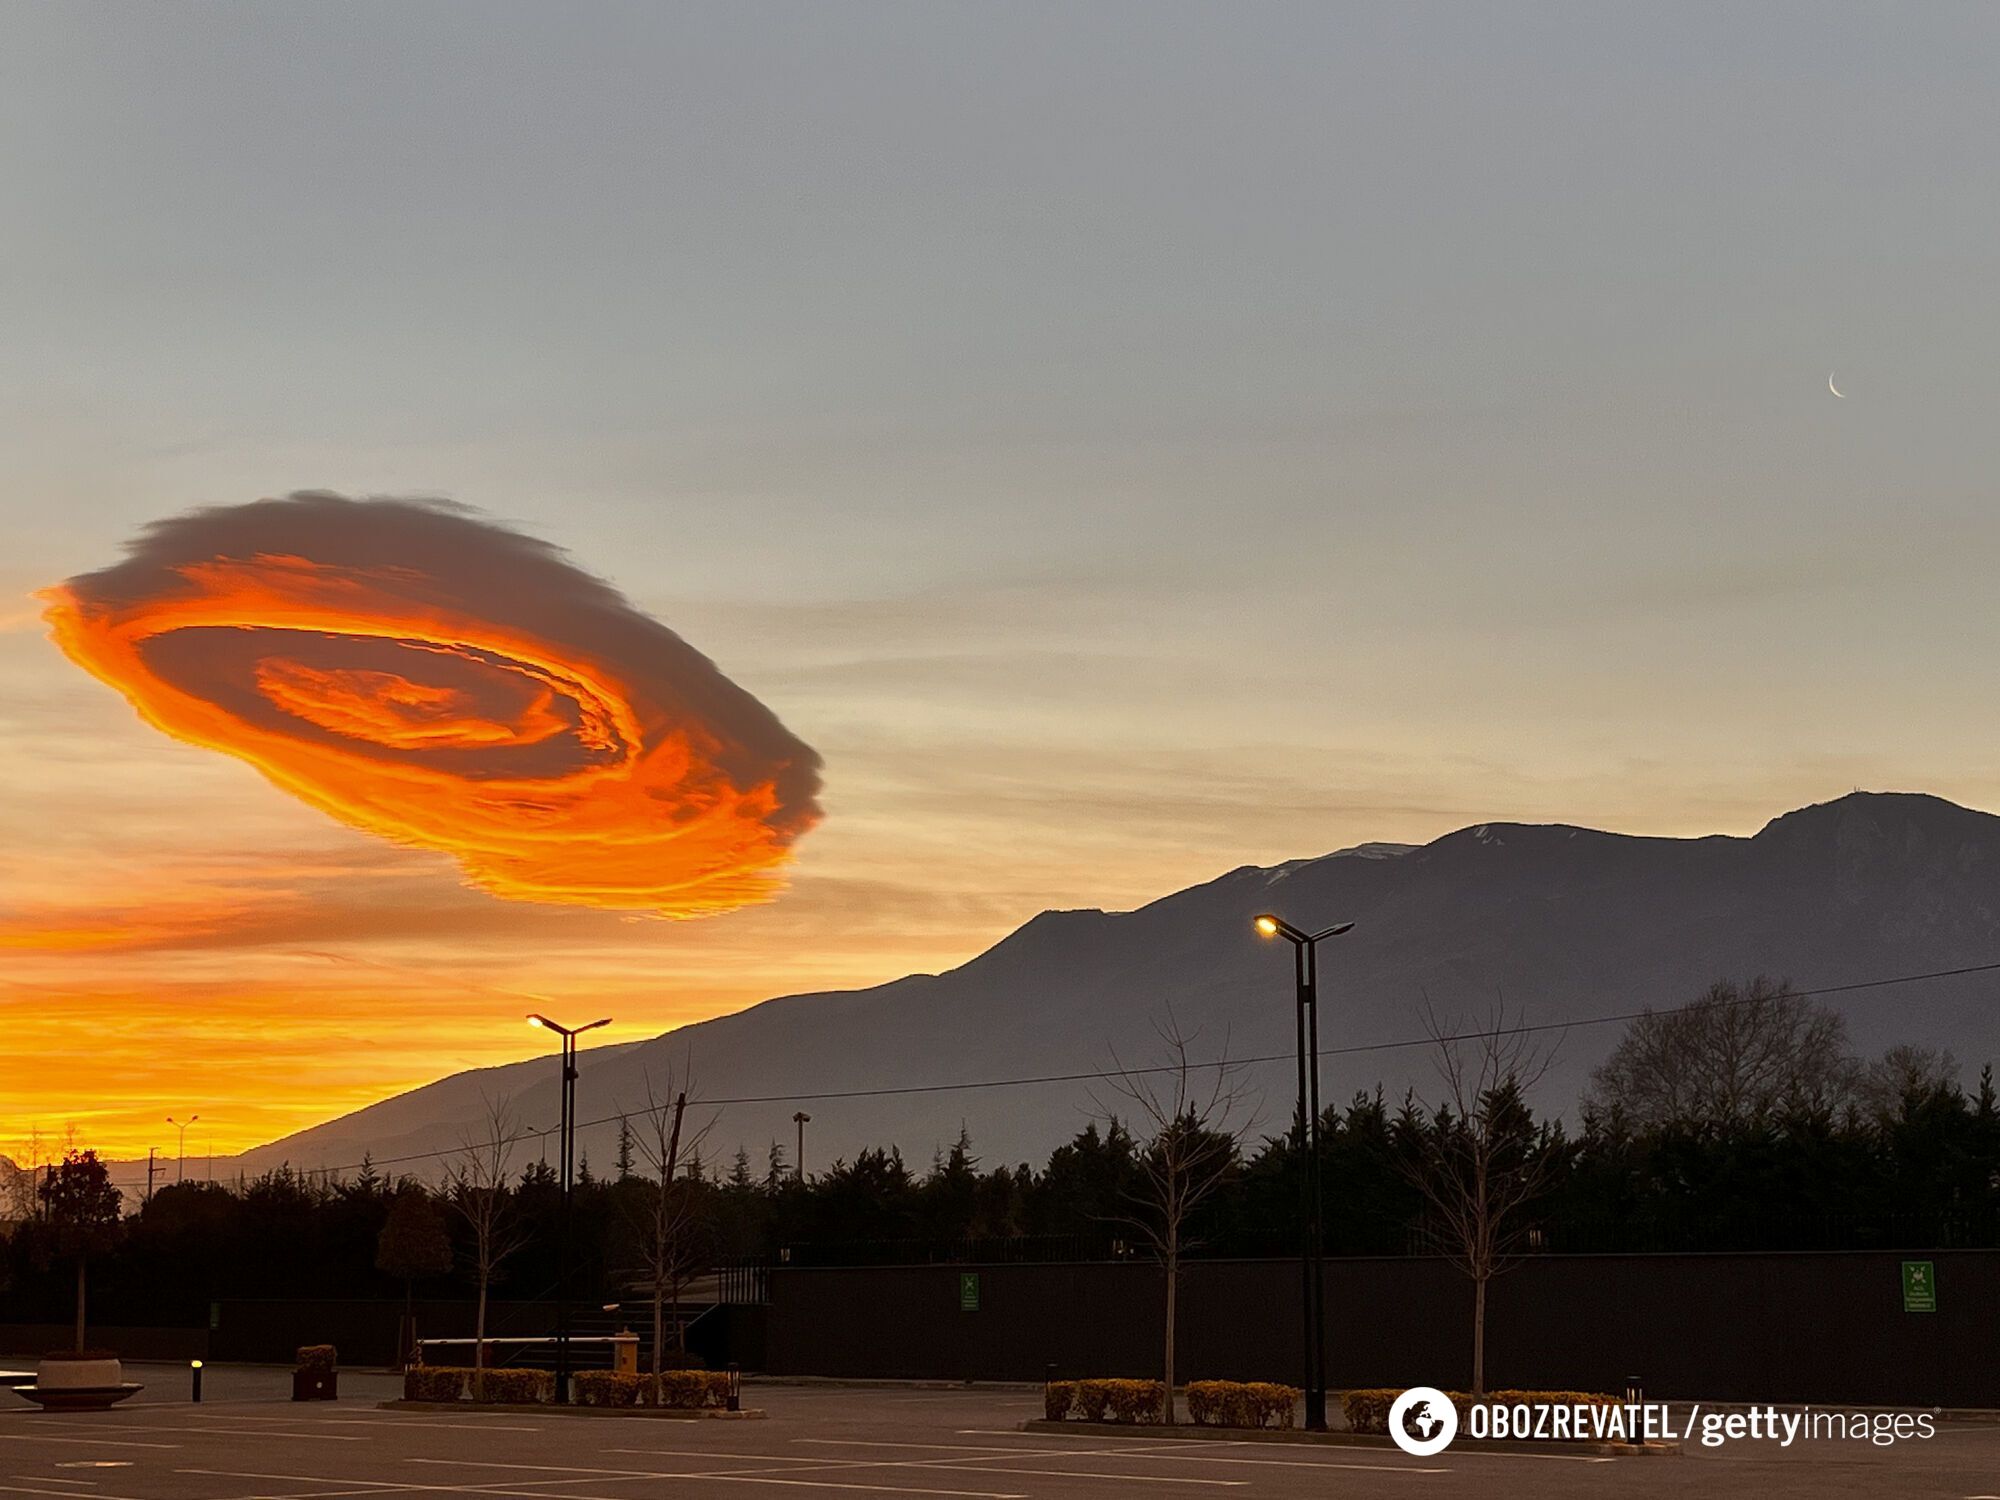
{"x":537,"y":1022}
{"x":1268,"y":926}
{"x":194,"y":1364}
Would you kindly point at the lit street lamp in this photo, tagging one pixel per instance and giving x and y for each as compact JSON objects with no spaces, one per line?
{"x":566,"y":1153}
{"x":180,"y":1171}
{"x":1305,"y":949}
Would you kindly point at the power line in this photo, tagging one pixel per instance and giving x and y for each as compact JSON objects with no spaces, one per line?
{"x":1106,"y":1074}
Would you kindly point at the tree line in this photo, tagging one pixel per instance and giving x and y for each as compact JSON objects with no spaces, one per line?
{"x":1743,"y":1120}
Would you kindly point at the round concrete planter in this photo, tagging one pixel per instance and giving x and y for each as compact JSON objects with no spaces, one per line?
{"x":89,"y":1381}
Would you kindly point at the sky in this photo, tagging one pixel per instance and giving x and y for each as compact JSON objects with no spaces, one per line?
{"x":1124,"y":441}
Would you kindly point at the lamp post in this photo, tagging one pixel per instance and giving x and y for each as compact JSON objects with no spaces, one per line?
{"x":180,"y":1169}
{"x":566,"y":1154}
{"x":801,"y":1119}
{"x":1305,"y":953}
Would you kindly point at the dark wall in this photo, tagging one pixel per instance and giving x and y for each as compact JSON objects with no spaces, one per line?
{"x":36,"y":1339}
{"x":1824,"y":1328}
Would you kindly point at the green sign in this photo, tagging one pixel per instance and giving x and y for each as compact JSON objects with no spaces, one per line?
{"x":968,"y":1291}
{"x":1919,"y":1286}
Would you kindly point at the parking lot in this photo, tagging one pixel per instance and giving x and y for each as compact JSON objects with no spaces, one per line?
{"x":246,"y":1442}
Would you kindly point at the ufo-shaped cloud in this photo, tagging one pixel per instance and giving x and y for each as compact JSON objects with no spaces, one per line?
{"x":438,"y":680}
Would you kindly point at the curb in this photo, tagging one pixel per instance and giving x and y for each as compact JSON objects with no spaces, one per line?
{"x":551,"y":1409}
{"x":886,"y":1383}
{"x":1152,"y":1431}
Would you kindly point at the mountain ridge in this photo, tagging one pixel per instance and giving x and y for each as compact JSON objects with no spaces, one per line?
{"x":1557,"y":919}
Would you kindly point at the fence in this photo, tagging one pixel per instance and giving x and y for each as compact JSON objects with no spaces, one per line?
{"x":1777,"y":1327}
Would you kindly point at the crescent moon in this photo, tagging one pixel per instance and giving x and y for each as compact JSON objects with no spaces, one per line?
{"x":1832,"y":387}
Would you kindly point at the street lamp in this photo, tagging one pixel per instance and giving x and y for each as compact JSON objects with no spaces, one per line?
{"x":801,"y":1119}
{"x":1305,"y":951}
{"x":180,"y":1171}
{"x":566,"y":1154}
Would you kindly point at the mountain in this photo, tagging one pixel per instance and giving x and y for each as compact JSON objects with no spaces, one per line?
{"x":1563,"y":923}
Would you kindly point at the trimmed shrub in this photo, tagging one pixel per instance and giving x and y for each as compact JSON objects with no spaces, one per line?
{"x":609,"y":1388}
{"x":1120,"y":1400}
{"x":1368,"y":1410}
{"x":1058,"y":1396}
{"x":1092,"y":1396}
{"x":318,"y":1357}
{"x":1237,"y":1403}
{"x":1217,"y":1403}
{"x":1273,"y":1404}
{"x":434,"y":1382}
{"x":689,"y":1390}
{"x":518,"y":1387}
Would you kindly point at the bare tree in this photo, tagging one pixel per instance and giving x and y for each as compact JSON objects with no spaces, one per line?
{"x":1732,"y":1056}
{"x":1190,"y":1113}
{"x":1478,"y":1159}
{"x":667,"y":1213}
{"x":19,"y":1198}
{"x":1902,"y":1075}
{"x":477,"y":1187}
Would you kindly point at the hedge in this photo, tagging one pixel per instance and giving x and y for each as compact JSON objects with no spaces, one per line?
{"x":680,"y":1390}
{"x":1368,"y":1410}
{"x":434,"y":1382}
{"x":515,"y":1387}
{"x":608,"y":1388}
{"x":686,"y":1389}
{"x":454,"y":1382}
{"x":1105,"y":1400}
{"x":318,"y":1356}
{"x":1239,"y":1403}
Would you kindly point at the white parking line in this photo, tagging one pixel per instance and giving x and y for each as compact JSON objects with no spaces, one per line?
{"x":471,"y":1422}
{"x":88,"y":1442}
{"x":1162,"y":1454}
{"x":415,"y":1422}
{"x":751,"y":1477}
{"x":963,"y":1465}
{"x":266,"y":1432}
{"x":352,"y":1486}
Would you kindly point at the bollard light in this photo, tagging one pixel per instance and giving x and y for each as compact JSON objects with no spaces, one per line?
{"x":735,"y":1389}
{"x":194,"y":1372}
{"x":1635,"y":1391}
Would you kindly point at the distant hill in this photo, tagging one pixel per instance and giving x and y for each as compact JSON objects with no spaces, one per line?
{"x":1565,"y":923}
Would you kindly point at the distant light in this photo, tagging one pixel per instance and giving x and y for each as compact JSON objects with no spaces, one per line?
{"x":1268,"y":926}
{"x":535,"y":1021}
{"x":194,"y":1364}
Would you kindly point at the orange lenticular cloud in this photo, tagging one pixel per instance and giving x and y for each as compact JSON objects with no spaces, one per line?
{"x":440,"y":681}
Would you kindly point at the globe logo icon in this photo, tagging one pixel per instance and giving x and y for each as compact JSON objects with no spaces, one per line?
{"x":1423,"y":1421}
